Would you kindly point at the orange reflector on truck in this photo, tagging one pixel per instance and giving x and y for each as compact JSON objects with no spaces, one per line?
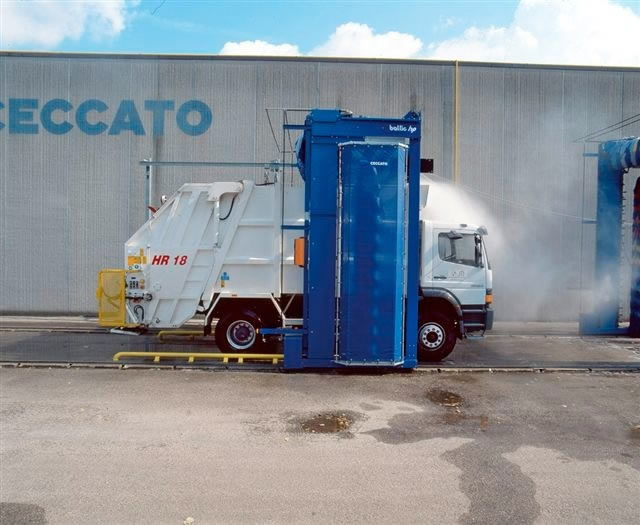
{"x":488,"y":299}
{"x":298,"y":251}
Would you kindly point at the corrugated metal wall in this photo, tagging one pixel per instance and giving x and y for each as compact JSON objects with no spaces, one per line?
{"x":70,"y":201}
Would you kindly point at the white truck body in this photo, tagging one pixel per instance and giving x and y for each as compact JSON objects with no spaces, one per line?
{"x":221,"y":238}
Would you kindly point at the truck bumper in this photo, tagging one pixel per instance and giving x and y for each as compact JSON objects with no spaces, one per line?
{"x":477,"y":318}
{"x":489,"y":319}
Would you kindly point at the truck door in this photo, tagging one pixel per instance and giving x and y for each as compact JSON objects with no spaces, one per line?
{"x":458,"y":265}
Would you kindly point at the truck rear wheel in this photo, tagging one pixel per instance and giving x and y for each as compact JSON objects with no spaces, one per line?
{"x":237,"y":332}
{"x":436,"y":337}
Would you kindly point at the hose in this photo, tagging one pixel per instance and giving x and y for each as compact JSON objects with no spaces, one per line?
{"x":233,"y":201}
{"x":138,"y":308}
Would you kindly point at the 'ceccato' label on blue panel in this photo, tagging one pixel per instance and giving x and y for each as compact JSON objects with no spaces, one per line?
{"x":28,"y":116}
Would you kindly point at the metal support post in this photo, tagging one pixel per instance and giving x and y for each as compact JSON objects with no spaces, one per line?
{"x":615,"y":157}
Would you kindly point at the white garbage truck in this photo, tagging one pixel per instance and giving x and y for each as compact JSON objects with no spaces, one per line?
{"x":233,"y":254}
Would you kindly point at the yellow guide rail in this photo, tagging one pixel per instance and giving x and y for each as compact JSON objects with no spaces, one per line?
{"x":192,"y":356}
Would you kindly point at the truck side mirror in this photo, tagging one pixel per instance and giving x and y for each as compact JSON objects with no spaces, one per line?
{"x":426,"y":165}
{"x":479,"y":252}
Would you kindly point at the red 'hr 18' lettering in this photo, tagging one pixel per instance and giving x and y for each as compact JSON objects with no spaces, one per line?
{"x":163,"y":260}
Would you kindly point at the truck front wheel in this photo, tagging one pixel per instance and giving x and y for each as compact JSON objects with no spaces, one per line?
{"x":237,"y":332}
{"x":436,"y":337}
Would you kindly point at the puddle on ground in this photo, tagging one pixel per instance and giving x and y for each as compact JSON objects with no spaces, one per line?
{"x":327,"y":423}
{"x":454,"y":414}
{"x":444,"y":398}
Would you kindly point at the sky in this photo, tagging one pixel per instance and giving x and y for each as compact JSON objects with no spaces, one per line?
{"x":588,"y":32}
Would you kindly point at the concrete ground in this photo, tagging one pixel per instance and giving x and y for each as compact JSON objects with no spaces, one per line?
{"x":158,"y":446}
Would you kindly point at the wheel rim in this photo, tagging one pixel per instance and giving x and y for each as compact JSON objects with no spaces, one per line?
{"x":241,"y":334}
{"x":431,"y":336}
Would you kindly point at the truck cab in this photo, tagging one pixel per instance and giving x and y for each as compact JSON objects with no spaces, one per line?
{"x":455,"y":287}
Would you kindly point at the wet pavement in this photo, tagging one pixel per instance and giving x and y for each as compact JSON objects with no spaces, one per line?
{"x":157,"y":446}
{"x":511,"y":345}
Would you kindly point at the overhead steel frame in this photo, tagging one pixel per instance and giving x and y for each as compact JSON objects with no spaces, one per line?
{"x":615,"y":157}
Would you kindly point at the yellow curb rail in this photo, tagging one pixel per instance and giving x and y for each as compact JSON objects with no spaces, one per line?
{"x":192,"y":356}
{"x":190,"y":334}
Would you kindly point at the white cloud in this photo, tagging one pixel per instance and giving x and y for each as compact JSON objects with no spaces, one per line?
{"x":348,"y":40}
{"x":597,"y":32}
{"x":591,"y":32}
{"x":46,"y":23}
{"x":359,"y":40}
{"x":259,"y":47}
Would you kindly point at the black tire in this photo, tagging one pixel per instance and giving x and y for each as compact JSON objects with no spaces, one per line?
{"x":237,"y":332}
{"x":436,"y":337}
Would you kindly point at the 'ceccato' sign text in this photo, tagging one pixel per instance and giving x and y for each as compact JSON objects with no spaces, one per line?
{"x":28,"y":116}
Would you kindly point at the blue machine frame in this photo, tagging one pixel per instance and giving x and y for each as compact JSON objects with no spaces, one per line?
{"x":314,"y":346}
{"x":615,"y":157}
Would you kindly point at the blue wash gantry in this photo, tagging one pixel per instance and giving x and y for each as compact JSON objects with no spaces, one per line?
{"x":362,"y":192}
{"x":615,"y":158}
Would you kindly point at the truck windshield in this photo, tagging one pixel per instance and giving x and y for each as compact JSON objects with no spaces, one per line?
{"x":458,"y":248}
